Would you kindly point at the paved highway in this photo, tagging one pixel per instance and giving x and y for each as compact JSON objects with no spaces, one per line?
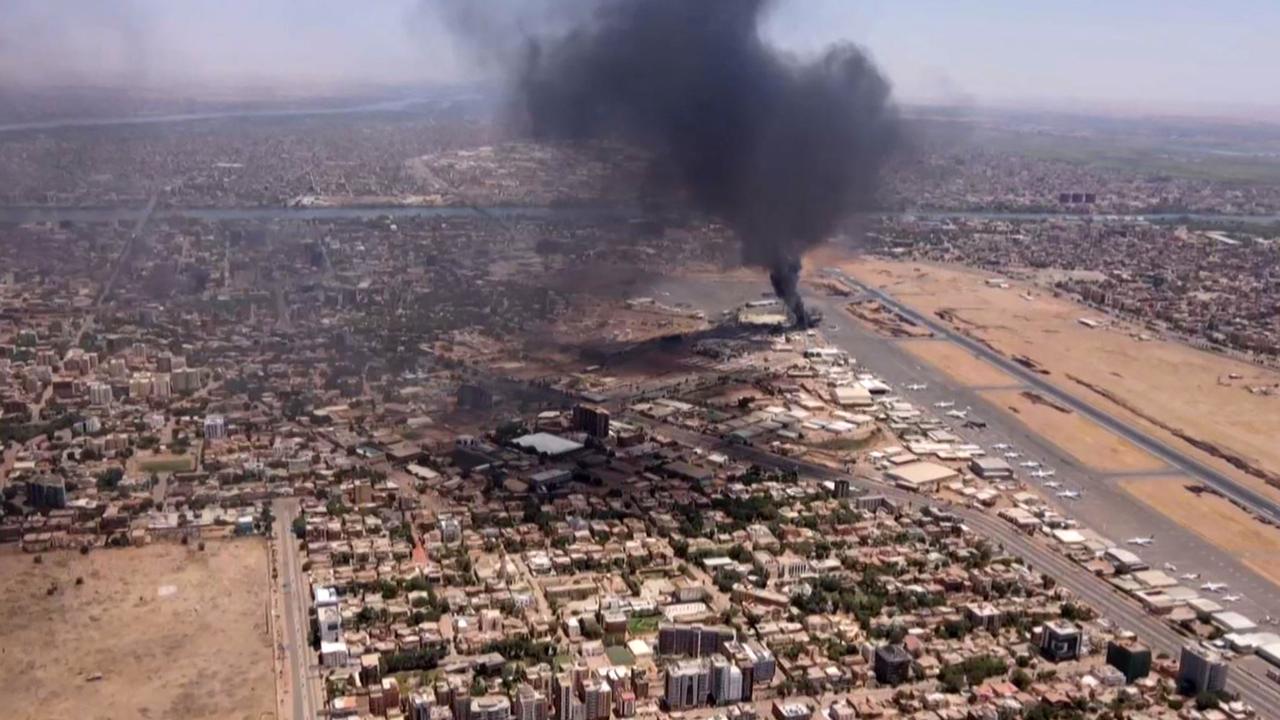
{"x":297,"y":619}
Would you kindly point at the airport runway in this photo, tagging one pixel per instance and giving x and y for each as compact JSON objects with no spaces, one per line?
{"x":1103,"y":505}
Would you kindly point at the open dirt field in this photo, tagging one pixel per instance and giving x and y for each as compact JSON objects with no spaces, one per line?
{"x":1092,"y":445}
{"x":175,"y":633}
{"x":1214,"y":519}
{"x":959,"y":364}
{"x":1143,"y":382}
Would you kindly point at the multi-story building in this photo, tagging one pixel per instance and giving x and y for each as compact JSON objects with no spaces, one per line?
{"x":688,"y":684}
{"x":693,"y":640}
{"x":215,"y":427}
{"x":592,"y":420}
{"x":1201,"y":670}
{"x":596,"y":695}
{"x":530,"y":704}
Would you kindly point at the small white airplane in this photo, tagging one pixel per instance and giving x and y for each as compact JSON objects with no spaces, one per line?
{"x":944,"y":404}
{"x":1029,"y":464}
{"x":1070,"y":494}
{"x":1190,"y":576}
{"x":1214,"y":586}
{"x":1013,"y":455}
{"x":1170,"y":567}
{"x":1001,"y":446}
{"x":1043,"y":473}
{"x":1142,"y":540}
{"x":1232,"y":598}
{"x":962,"y":414}
{"x":917,"y":386}
{"x":1053,"y":484}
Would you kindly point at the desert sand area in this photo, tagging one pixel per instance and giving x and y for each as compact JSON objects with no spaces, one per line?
{"x":174,"y":632}
{"x":1215,"y":519}
{"x":1143,"y":382}
{"x":1092,"y":445}
{"x":959,"y":364}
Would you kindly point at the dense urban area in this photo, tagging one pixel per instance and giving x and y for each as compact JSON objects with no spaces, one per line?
{"x":489,"y":438}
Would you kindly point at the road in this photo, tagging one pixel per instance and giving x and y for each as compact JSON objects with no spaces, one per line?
{"x":294,"y":591}
{"x":1162,"y":450}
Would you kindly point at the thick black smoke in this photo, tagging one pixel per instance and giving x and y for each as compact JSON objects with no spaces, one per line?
{"x":777,"y":148}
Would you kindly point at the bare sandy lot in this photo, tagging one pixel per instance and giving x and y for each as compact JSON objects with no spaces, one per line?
{"x":1143,"y":382}
{"x":175,"y":633}
{"x":959,"y":364}
{"x":1081,"y":438}
{"x":1216,"y":520}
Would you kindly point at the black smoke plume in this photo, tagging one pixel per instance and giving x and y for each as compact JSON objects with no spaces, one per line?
{"x":778,"y":148}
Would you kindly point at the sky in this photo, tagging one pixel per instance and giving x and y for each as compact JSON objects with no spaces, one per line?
{"x":1141,"y":55}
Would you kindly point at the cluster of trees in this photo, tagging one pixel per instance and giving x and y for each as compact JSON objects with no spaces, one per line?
{"x":972,"y":671}
{"x":424,"y":658}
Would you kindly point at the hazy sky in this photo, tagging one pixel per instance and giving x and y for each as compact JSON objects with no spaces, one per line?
{"x":1169,"y":55}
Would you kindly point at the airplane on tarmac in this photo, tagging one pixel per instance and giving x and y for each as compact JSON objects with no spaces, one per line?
{"x":1053,"y":484}
{"x":1170,"y":567}
{"x":1214,"y":586}
{"x":1232,"y":598}
{"x":962,"y":414}
{"x":1070,"y":494}
{"x":1001,"y":446}
{"x":1029,"y":464}
{"x":944,"y":404}
{"x":1142,"y":540}
{"x":917,"y":386}
{"x":1013,"y":455}
{"x":1043,"y":473}
{"x":1190,"y":576}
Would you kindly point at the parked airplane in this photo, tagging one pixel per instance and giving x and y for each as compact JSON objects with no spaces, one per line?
{"x":917,"y":386}
{"x":944,"y":404}
{"x":1214,"y":586}
{"x":962,"y":414}
{"x":1232,"y":598}
{"x":1029,"y":464}
{"x":1170,"y":567}
{"x":1070,"y":494}
{"x":1013,"y":455}
{"x":1190,"y":576}
{"x":1053,"y":484}
{"x":1043,"y":473}
{"x":1001,"y":446}
{"x":1142,"y":540}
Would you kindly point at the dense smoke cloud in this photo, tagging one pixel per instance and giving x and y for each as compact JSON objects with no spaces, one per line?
{"x":778,"y":148}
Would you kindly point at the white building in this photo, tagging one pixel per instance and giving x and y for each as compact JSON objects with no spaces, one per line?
{"x":99,"y":394}
{"x":215,"y":427}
